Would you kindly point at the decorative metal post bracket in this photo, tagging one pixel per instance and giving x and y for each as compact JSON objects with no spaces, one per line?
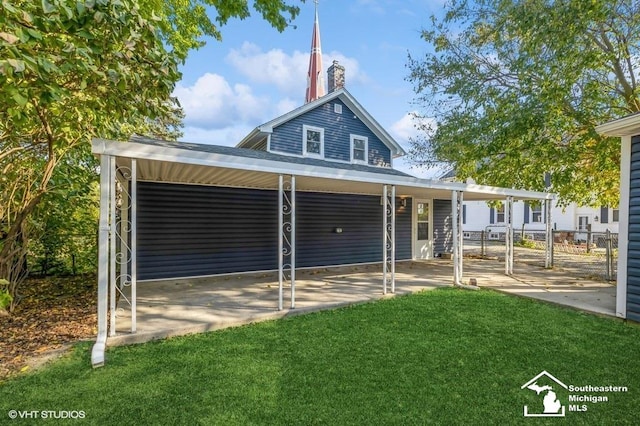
{"x":123,"y":262}
{"x":389,"y":241}
{"x":286,"y":237}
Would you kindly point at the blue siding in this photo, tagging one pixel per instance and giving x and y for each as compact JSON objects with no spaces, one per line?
{"x":189,"y":230}
{"x":442,"y":231}
{"x":287,"y":138}
{"x":633,"y":250}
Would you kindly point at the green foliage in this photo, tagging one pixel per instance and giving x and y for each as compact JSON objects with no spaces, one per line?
{"x":514,"y":89}
{"x":185,"y":23}
{"x":5,"y":297}
{"x":74,"y":70}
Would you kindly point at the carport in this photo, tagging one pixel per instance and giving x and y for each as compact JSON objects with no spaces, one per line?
{"x":125,"y":165}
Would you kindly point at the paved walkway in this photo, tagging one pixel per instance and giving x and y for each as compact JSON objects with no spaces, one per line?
{"x":175,"y":307}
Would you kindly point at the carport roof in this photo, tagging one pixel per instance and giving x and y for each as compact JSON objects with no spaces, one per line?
{"x":179,"y":162}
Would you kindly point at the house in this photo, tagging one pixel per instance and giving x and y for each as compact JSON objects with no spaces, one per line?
{"x":628,"y":285}
{"x":314,"y":187}
{"x":479,"y":216}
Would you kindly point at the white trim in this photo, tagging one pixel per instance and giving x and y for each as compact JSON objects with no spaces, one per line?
{"x":352,"y":138}
{"x":185,"y":156}
{"x":269,"y":142}
{"x":305,"y":129}
{"x":623,"y":227}
{"x":625,"y":126}
{"x":414,"y":227}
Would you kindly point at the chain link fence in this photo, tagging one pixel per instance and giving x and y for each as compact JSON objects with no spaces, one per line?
{"x":586,"y":254}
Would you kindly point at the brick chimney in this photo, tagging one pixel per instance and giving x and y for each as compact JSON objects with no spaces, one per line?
{"x":335,"y":75}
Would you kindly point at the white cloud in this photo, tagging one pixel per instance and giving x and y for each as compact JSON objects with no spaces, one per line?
{"x":287,"y":72}
{"x":213,"y":103}
{"x":403,"y":129}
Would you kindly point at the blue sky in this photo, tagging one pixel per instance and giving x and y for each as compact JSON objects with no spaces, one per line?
{"x":256,"y":73}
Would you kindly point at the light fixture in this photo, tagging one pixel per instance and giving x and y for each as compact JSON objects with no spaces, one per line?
{"x":403,"y":202}
{"x":338,"y":230}
{"x":595,"y":218}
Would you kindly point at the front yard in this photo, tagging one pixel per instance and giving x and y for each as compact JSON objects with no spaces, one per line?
{"x":444,"y":356}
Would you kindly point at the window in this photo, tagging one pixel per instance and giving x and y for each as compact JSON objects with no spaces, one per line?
{"x":615,"y":215}
{"x":337,"y":108}
{"x":359,"y":149}
{"x":313,"y":141}
{"x":536,"y":213}
{"x":500,"y":214}
{"x":583,"y":223}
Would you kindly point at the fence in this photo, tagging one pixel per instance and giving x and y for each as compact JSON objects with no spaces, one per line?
{"x":584,"y":253}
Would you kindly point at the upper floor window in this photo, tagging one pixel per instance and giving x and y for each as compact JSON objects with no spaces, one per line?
{"x":359,"y":149}
{"x":313,"y":141}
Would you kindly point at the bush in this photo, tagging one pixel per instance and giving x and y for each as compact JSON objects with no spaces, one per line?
{"x":5,"y":297}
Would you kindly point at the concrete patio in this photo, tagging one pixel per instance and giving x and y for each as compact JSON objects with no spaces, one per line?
{"x":176,"y":307}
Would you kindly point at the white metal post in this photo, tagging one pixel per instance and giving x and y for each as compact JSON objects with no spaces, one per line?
{"x":548,"y":234}
{"x":134,"y":235}
{"x":455,"y":239}
{"x":280,"y":241}
{"x":112,"y":245}
{"x":106,"y":175}
{"x":393,"y":238}
{"x":293,"y":242}
{"x":460,"y":239}
{"x":384,"y":239}
{"x":507,"y":237}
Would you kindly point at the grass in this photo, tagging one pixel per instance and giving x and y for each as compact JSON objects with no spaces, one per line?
{"x":445,"y":356}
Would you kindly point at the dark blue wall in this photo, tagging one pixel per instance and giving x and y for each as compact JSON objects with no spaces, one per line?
{"x":633,"y":251}
{"x":188,"y":230}
{"x":287,"y":138}
{"x":442,"y":227}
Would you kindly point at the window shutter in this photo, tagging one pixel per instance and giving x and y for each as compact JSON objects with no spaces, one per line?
{"x":547,"y":180}
{"x":604,"y":214}
{"x":492,"y":215}
{"x":464,"y":214}
{"x":526,"y":212}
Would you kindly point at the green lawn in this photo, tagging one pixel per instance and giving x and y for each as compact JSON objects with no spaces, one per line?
{"x":445,"y":356}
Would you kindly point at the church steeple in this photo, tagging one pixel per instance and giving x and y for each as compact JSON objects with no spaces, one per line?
{"x":315,"y":80}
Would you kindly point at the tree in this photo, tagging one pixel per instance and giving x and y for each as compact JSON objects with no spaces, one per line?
{"x":514,"y":89}
{"x":73,"y":70}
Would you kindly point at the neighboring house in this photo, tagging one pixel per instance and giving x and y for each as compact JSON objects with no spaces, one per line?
{"x":479,"y":216}
{"x":628,"y":288}
{"x":314,"y":187}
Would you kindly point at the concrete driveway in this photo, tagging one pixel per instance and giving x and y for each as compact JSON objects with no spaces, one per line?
{"x":176,"y":307}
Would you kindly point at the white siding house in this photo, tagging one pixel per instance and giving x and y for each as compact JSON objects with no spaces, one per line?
{"x":478,"y":216}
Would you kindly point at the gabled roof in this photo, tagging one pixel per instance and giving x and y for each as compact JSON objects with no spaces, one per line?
{"x":261,"y":132}
{"x":253,"y":154}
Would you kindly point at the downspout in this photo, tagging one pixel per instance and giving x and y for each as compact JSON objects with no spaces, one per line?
{"x":106,"y":169}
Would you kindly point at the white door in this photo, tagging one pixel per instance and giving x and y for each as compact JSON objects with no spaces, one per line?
{"x":422,"y":230}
